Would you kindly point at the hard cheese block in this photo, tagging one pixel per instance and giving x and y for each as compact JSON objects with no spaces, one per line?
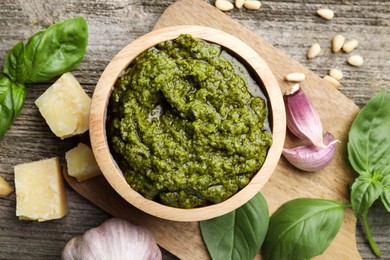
{"x":65,"y":107}
{"x":5,"y":188}
{"x":82,"y":163}
{"x":40,"y":192}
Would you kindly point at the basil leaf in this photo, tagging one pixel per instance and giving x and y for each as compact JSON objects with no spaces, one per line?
{"x":385,"y":196}
{"x":19,"y":92}
{"x":56,"y":50}
{"x":369,"y":137}
{"x":12,"y":97}
{"x":14,"y":63}
{"x":302,"y":229}
{"x":6,"y":108}
{"x":364,"y":192}
{"x":238,"y":234}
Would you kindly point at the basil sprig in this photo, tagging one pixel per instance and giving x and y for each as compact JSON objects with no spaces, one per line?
{"x":48,"y":54}
{"x":238,"y":234}
{"x":369,"y":155}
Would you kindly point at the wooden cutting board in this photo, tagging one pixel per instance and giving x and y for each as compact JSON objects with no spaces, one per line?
{"x":337,"y":112}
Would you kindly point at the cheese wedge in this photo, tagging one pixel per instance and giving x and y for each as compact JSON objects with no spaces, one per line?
{"x":82,"y":163}
{"x":65,"y":107}
{"x":5,"y":188}
{"x":40,"y":192}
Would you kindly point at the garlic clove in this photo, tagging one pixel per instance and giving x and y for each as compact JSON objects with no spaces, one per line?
{"x":114,"y":239}
{"x":302,"y":119}
{"x":311,"y":158}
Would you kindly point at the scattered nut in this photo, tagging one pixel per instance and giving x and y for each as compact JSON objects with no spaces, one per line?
{"x":239,"y":3}
{"x":337,"y":42}
{"x":336,"y":74}
{"x":295,"y":77}
{"x":350,"y":45}
{"x":332,"y":81}
{"x":314,"y":51}
{"x":327,"y":14}
{"x":355,"y":60}
{"x":224,"y":5}
{"x":252,"y":4}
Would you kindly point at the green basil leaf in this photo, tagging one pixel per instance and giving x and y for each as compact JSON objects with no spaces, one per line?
{"x":14,"y":66}
{"x":302,"y":229}
{"x":364,"y":192}
{"x":369,"y":137}
{"x":19,"y":92}
{"x":385,"y":196}
{"x":56,"y":50}
{"x":6,"y":108}
{"x":238,"y":234}
{"x":12,"y":97}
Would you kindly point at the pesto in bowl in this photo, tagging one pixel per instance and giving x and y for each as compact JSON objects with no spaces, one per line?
{"x":187,"y":125}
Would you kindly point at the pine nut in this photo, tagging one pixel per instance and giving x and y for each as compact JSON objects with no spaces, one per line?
{"x":350,"y":45}
{"x":336,"y":74}
{"x":224,"y":5}
{"x":355,"y":60}
{"x":337,"y":42}
{"x":327,"y":14}
{"x":252,"y":4}
{"x":295,"y":77}
{"x":240,"y":3}
{"x":332,"y":81}
{"x":314,"y":51}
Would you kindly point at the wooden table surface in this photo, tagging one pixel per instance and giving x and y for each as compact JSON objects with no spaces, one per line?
{"x":290,"y":25}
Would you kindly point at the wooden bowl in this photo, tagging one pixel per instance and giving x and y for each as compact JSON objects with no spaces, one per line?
{"x":100,"y":101}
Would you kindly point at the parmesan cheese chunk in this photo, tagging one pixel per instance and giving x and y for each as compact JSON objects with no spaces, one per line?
{"x":40,"y":192}
{"x":5,"y":188}
{"x":65,"y":107}
{"x":82,"y":163}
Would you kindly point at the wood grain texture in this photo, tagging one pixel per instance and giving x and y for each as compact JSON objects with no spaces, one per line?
{"x":289,"y":25}
{"x":286,"y":183}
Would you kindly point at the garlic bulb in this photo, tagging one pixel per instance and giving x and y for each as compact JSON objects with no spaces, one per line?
{"x":302,"y":119}
{"x":310,"y":157}
{"x":115,"y":239}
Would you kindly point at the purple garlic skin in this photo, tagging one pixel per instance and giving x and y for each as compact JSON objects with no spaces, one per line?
{"x":115,"y":239}
{"x":302,"y":119}
{"x":312,"y":158}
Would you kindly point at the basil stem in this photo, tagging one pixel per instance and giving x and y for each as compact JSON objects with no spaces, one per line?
{"x":369,"y":237}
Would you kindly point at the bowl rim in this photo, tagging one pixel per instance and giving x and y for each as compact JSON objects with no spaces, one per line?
{"x":97,"y":122}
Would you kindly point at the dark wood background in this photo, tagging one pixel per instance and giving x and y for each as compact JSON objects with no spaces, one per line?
{"x":290,"y":25}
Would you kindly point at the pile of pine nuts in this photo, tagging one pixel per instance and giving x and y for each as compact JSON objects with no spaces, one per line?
{"x":339,"y":43}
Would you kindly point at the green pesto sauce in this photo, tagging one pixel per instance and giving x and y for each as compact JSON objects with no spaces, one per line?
{"x":183,"y":126}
